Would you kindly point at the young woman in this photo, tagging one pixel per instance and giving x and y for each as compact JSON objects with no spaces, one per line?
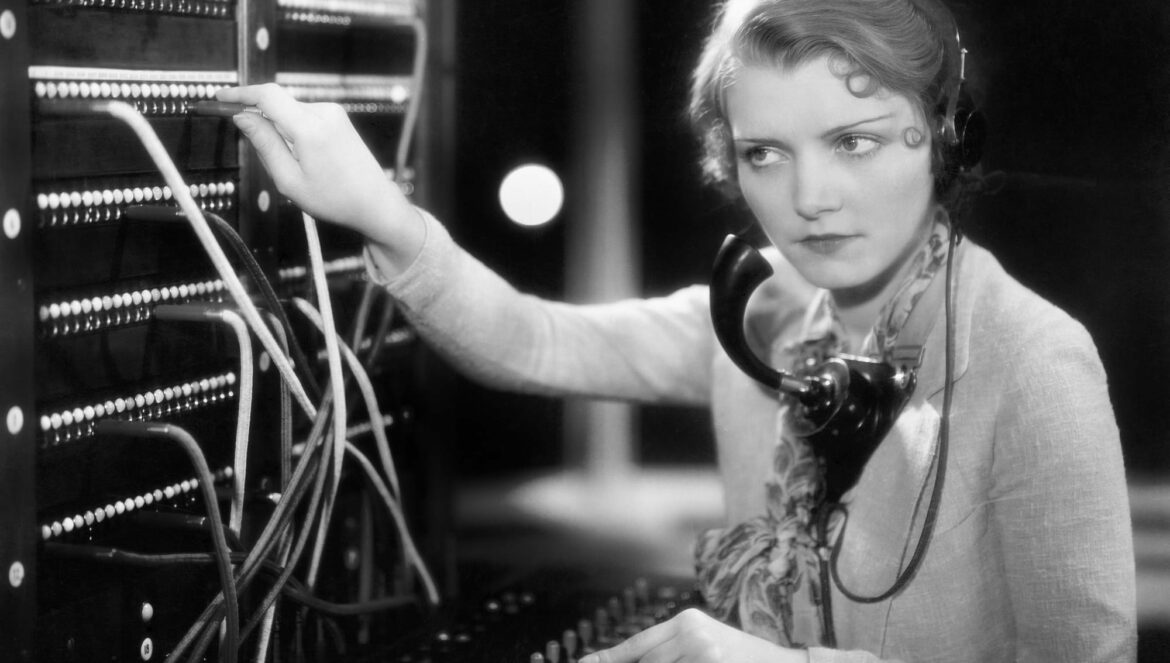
{"x":833,"y":119}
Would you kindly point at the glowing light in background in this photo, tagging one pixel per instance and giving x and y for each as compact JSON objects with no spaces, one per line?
{"x":399,"y":94}
{"x":531,"y":195}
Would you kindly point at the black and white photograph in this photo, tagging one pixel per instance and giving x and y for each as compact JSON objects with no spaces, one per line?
{"x":585,"y":331}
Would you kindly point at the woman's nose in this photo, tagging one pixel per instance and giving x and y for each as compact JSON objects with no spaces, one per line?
{"x":815,"y":190}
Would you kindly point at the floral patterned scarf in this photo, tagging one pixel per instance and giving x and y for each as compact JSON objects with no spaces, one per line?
{"x":763,"y":574}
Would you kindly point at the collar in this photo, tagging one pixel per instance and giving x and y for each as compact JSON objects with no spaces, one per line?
{"x":931,"y":373}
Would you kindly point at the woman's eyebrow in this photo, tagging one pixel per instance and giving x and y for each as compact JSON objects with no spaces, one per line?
{"x":759,"y":141}
{"x":831,"y":132}
{"x":851,"y":125}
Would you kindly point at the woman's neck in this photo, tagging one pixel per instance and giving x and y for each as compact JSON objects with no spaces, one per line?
{"x":857,"y":313}
{"x":858,"y":308}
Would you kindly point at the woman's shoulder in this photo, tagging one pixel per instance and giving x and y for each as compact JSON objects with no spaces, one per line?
{"x":1007,"y":315}
{"x":1001,"y":299}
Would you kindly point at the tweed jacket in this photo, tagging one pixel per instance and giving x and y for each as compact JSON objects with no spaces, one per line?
{"x":1032,"y":555}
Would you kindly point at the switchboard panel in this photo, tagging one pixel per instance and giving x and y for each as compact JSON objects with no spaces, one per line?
{"x":183,"y":468}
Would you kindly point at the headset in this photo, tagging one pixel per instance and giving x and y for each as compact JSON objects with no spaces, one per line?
{"x":962,"y":128}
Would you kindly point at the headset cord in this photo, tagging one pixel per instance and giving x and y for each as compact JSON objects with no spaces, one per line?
{"x":940,"y":465}
{"x":823,"y":513}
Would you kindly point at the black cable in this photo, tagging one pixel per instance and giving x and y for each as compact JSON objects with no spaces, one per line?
{"x":361,"y":317}
{"x":209,"y":629}
{"x":277,"y":624}
{"x":333,"y":629}
{"x":940,"y":463}
{"x":360,"y":320}
{"x":823,"y":513}
{"x":286,"y":420}
{"x":207,"y":486}
{"x":294,"y":589}
{"x":298,"y":548}
{"x":109,"y":555}
{"x":327,"y":442}
{"x":348,"y":609}
{"x":286,"y":433}
{"x":299,"y":638}
{"x":182,"y":521}
{"x":306,"y":531}
{"x":379,"y":339}
{"x":255,"y":272}
{"x":208,"y":620}
{"x":302,"y":477}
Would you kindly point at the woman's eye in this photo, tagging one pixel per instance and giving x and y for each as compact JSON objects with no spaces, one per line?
{"x":858,"y":146}
{"x":761,"y":156}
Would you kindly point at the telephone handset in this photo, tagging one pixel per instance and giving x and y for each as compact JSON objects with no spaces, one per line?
{"x":844,"y":405}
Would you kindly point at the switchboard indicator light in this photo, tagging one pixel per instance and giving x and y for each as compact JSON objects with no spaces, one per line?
{"x":8,"y":24}
{"x":15,"y":420}
{"x":16,"y":574}
{"x":12,"y":224}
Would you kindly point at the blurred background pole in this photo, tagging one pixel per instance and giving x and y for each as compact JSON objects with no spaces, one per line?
{"x":603,"y":249}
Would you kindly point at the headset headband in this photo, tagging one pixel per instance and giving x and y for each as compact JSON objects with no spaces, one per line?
{"x":962,"y":128}
{"x":950,"y":134}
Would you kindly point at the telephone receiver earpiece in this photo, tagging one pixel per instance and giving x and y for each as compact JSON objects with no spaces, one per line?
{"x":844,"y":405}
{"x":739,"y":270}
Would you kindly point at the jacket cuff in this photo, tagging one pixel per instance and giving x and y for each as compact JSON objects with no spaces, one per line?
{"x":426,"y":276}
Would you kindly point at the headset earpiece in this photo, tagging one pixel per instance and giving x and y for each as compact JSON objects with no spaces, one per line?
{"x":970,"y":133}
{"x":962,"y":128}
{"x":962,"y":136}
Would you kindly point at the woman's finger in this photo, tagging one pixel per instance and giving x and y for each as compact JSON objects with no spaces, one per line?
{"x":634,"y":648}
{"x":275,"y":103}
{"x":271,"y":148}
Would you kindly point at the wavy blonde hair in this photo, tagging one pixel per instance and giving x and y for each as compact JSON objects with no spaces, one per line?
{"x":905,"y":46}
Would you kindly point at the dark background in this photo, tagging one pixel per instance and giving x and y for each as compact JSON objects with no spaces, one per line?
{"x":1077,"y":93}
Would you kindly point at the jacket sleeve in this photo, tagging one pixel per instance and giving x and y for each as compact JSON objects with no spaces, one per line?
{"x":1060,"y":505}
{"x":654,"y":350}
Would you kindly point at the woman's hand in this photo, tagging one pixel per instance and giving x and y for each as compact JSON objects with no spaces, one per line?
{"x":318,"y":160}
{"x":694,"y":637}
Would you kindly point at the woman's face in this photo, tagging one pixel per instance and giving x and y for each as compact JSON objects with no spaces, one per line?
{"x":832,"y":177}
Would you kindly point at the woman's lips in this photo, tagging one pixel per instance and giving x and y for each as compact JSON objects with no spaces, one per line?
{"x":826,"y":244}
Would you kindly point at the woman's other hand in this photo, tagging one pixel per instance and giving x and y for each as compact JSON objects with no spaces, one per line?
{"x":694,"y":637}
{"x":318,"y":160}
